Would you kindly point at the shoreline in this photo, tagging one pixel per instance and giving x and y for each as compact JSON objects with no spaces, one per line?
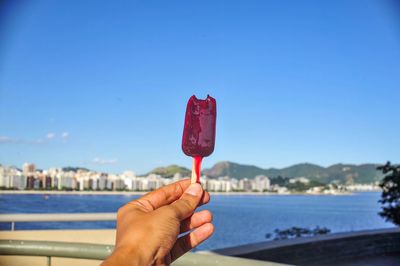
{"x":140,"y":193}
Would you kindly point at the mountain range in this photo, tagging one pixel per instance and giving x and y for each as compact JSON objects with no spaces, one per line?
{"x":343,"y":173}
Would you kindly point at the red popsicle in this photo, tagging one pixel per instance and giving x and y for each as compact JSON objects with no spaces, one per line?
{"x":199,"y":131}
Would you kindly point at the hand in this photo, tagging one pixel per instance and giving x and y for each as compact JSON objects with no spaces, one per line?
{"x":148,"y":227}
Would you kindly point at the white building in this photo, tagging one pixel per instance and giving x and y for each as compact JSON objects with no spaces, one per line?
{"x":222,"y":184}
{"x":11,"y":177}
{"x":19,"y":181}
{"x":115,"y":182}
{"x":65,"y":181}
{"x":261,"y":183}
{"x":29,"y":168}
{"x":102,"y":182}
{"x":129,"y":179}
{"x":154,"y":181}
{"x":303,"y":180}
{"x":245,"y":184}
{"x":3,"y":180}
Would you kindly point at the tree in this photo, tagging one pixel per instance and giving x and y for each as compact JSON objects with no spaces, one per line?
{"x":296,"y":232}
{"x":390,"y":198}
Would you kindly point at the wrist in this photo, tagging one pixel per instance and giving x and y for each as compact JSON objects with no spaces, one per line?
{"x":124,"y":257}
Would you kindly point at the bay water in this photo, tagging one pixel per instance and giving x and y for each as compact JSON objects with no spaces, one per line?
{"x":238,"y":219}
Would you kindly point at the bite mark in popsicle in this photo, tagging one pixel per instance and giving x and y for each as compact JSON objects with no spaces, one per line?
{"x":198,"y":138}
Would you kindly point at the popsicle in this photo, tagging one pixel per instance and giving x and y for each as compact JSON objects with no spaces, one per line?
{"x":198,"y":138}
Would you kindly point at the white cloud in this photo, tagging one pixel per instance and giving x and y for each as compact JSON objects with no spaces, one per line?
{"x":64,"y":135}
{"x":98,"y":160}
{"x":4,"y":139}
{"x":50,"y":135}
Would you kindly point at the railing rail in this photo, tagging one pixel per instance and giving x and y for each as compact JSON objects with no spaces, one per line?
{"x":55,"y":249}
{"x":56,"y":217}
{"x":51,"y":249}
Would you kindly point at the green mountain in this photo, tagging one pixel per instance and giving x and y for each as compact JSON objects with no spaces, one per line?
{"x":171,"y":170}
{"x":234,"y":170}
{"x":343,"y":173}
{"x":74,"y":169}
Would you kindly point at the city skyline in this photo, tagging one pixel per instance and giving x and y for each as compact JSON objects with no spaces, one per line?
{"x":293,"y":83}
{"x":31,"y":178}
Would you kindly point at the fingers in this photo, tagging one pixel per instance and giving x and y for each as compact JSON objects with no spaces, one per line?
{"x":196,"y":220}
{"x":162,"y":196}
{"x":165,"y":195}
{"x":205,"y":199}
{"x":191,"y":240}
{"x":186,"y":204}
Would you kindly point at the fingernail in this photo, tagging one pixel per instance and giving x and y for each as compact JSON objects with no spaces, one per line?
{"x":194,"y":189}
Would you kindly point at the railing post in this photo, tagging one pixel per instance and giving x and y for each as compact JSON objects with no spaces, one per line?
{"x":12,"y":226}
{"x":49,"y":261}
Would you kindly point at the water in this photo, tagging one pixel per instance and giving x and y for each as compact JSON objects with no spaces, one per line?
{"x":238,"y":219}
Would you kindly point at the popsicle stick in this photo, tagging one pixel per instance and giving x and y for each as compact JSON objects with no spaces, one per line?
{"x":194,"y":176}
{"x":196,"y":170}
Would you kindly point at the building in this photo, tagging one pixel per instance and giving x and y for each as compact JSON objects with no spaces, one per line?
{"x":30,"y":180}
{"x":115,"y":182}
{"x":19,"y":182}
{"x":102,"y":182}
{"x":28,"y":168}
{"x":303,"y":180}
{"x":129,"y":179}
{"x":47,"y":182}
{"x":245,"y":184}
{"x":261,"y":183}
{"x":222,"y":184}
{"x":154,"y":182}
{"x":65,"y":182}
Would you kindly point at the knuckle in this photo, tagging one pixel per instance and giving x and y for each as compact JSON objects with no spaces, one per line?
{"x":120,"y":212}
{"x":186,"y":205}
{"x":178,"y":188}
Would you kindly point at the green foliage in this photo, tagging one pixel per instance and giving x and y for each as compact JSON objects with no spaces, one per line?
{"x":280,"y":181}
{"x":170,"y":171}
{"x":296,"y":232}
{"x":74,"y":169}
{"x":296,"y":186}
{"x":390,"y":197}
{"x":233,"y":170}
{"x":301,"y":187}
{"x":8,"y":188}
{"x":343,"y":173}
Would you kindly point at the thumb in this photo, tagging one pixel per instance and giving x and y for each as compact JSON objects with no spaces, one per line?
{"x":187,"y":203}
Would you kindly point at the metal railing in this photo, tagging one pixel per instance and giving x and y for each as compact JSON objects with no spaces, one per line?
{"x":56,"y":217}
{"x":51,"y":249}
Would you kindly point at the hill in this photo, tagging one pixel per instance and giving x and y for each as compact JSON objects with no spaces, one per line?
{"x":170,"y":171}
{"x":233,"y":170}
{"x":343,"y":173}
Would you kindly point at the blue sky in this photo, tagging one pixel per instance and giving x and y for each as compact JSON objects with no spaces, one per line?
{"x":104,"y":85}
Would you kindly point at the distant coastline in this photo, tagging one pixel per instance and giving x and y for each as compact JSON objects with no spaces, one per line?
{"x":140,"y":193}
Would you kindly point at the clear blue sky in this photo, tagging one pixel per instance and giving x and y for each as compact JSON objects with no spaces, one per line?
{"x":104,"y":84}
